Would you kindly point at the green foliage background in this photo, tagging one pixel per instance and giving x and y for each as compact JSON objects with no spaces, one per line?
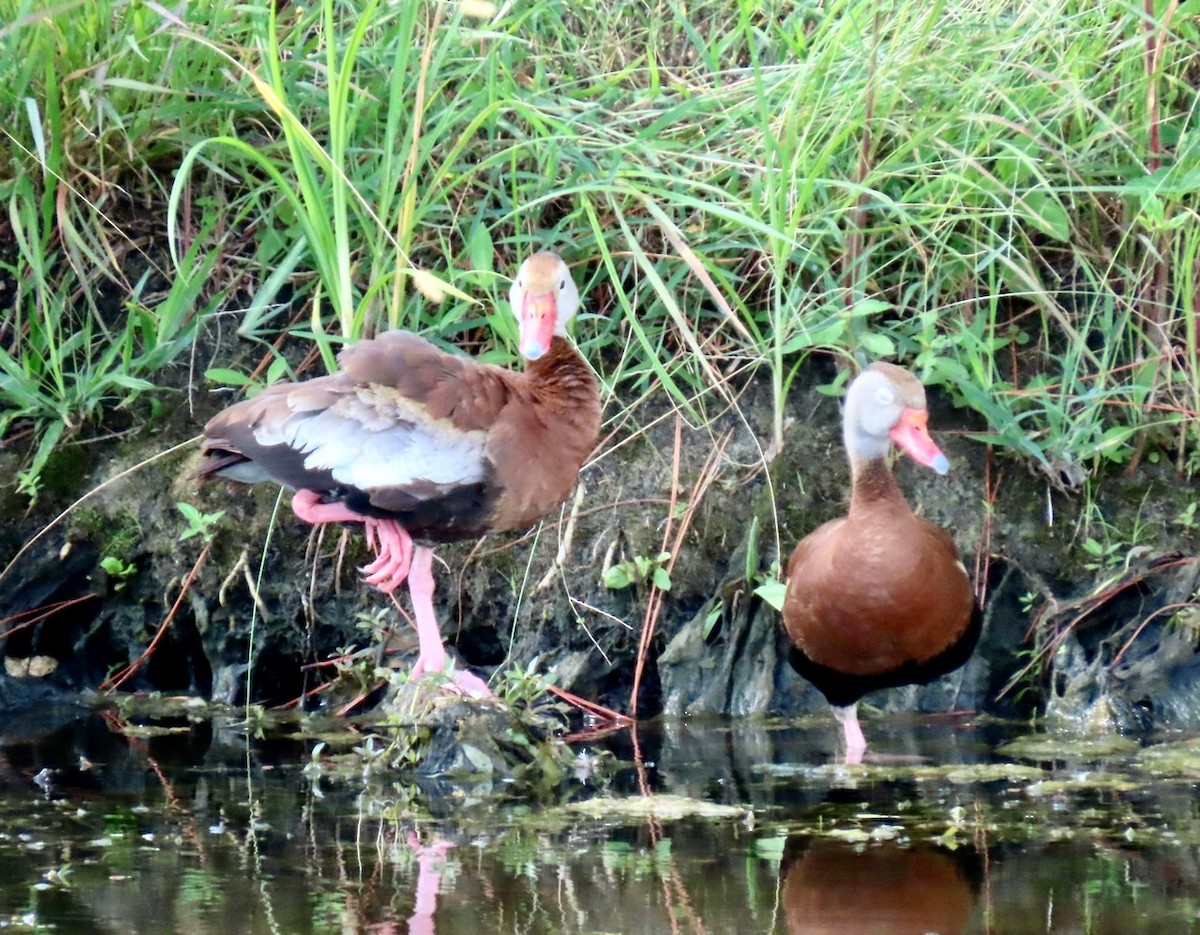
{"x":1001,"y":194}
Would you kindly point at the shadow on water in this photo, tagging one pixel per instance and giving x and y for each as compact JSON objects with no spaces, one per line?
{"x":178,"y":823}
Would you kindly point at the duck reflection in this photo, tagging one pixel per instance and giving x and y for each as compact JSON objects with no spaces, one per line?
{"x":431,"y":859}
{"x":835,"y":888}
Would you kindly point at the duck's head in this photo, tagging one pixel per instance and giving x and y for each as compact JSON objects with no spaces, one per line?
{"x":543,"y":298}
{"x":884,"y":404}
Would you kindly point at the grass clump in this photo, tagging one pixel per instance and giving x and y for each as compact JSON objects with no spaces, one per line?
{"x":1003,"y":194}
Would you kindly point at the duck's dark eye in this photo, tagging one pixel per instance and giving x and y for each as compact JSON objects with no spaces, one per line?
{"x":562,"y":284}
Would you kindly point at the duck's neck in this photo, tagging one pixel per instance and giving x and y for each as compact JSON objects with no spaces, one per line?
{"x":873,"y":486}
{"x":565,"y":386}
{"x":561,"y":370}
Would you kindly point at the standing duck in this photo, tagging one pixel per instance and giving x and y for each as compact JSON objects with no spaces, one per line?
{"x":422,"y":446}
{"x":878,"y":598}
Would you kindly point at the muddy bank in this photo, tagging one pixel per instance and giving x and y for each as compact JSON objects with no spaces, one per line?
{"x":1086,"y":596}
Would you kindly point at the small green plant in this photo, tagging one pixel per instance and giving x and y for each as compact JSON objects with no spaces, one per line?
{"x":1101,"y":554}
{"x":1028,"y":601}
{"x":772,"y":590}
{"x":199,"y":524}
{"x":118,"y":569}
{"x":713,"y":616}
{"x":523,"y":685}
{"x":1109,"y":546}
{"x":768,"y":585}
{"x":227,"y":376}
{"x":639,"y":569}
{"x":257,"y":721}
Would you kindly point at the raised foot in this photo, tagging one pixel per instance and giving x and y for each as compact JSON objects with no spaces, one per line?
{"x":392,"y":545}
{"x":393,"y":549}
{"x":308,"y":506}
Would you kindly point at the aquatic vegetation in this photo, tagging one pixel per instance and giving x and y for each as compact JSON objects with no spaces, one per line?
{"x":1069,"y":746}
{"x":661,"y":807}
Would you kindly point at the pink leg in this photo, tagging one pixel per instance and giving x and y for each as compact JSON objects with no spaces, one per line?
{"x":308,"y":506}
{"x":395,"y":560}
{"x":856,"y":743}
{"x":431,"y":656}
{"x":430,"y":861}
{"x":392,"y":545}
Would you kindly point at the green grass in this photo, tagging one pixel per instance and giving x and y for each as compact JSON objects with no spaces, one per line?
{"x":1002,"y":194}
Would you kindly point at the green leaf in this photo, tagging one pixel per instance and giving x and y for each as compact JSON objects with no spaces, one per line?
{"x":1047,"y":215}
{"x":277,"y":371}
{"x":616,"y":576}
{"x":826,"y":334}
{"x":772,"y":592}
{"x":199,"y":524}
{"x":131,"y":383}
{"x":752,"y":550}
{"x":661,"y":579}
{"x":715,"y":612}
{"x":877,"y":345}
{"x":869,"y":307}
{"x":479,"y":247}
{"x":29,"y":481}
{"x":226,"y":376}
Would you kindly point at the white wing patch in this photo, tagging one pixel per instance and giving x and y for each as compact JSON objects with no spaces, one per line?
{"x":371,"y":441}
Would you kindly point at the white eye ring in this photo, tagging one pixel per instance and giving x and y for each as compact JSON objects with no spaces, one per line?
{"x":884,"y":396}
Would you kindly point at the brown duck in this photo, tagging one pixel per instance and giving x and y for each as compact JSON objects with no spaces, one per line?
{"x":422,"y":446}
{"x":878,"y":598}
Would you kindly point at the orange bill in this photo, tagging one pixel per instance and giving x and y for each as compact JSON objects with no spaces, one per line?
{"x":539,"y":315}
{"x":912,"y":434}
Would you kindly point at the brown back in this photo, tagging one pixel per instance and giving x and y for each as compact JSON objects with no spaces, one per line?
{"x":505,"y":447}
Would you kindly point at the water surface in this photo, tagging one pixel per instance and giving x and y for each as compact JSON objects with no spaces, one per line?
{"x":112,"y":823}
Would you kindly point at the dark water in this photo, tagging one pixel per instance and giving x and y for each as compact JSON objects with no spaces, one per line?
{"x":200,"y":830}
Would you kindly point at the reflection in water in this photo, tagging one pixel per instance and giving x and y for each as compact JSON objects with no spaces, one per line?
{"x":198,"y":831}
{"x":431,"y":858}
{"x":833,"y":888}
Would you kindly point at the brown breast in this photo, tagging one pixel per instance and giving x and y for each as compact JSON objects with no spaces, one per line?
{"x":543,"y":439}
{"x":878,"y":589}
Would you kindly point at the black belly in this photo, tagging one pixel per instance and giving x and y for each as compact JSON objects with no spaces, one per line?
{"x":841,"y":689}
{"x":462,"y":513}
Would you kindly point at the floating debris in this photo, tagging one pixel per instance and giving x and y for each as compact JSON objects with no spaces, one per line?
{"x":666,"y":807}
{"x":1069,"y":746}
